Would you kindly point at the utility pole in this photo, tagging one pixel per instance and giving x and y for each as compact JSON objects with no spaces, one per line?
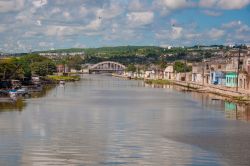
{"x":238,"y":70}
{"x":185,"y":67}
{"x":203,"y":69}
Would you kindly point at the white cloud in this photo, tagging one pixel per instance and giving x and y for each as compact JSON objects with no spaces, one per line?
{"x":55,"y":10}
{"x":11,"y":5}
{"x":212,"y":13}
{"x":56,"y":30}
{"x":191,"y":36}
{"x":136,"y":5}
{"x":235,"y":4}
{"x":232,"y":24}
{"x":94,"y":25}
{"x":29,"y":34}
{"x":114,"y":10}
{"x":38,"y":23}
{"x":66,"y":15}
{"x":2,"y":28}
{"x":167,"y":6}
{"x":208,"y":3}
{"x":63,"y":30}
{"x":83,"y":11}
{"x":136,"y":19}
{"x":173,"y":34}
{"x":176,"y":32}
{"x":39,"y":3}
{"x":215,"y":33}
{"x":79,"y":45}
{"x":46,"y":44}
{"x":175,"y":4}
{"x":224,"y":4}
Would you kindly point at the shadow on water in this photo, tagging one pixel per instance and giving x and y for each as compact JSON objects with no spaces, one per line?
{"x":233,"y":111}
{"x":20,"y":104}
{"x":213,"y":134}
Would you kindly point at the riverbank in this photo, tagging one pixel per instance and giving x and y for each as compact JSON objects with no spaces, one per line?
{"x":230,"y":94}
{"x":159,"y":82}
{"x":56,"y":78}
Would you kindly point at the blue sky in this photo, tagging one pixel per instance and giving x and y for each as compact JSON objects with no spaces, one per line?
{"x":49,"y":24}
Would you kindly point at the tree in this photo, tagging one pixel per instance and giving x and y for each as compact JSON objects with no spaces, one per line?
{"x":181,"y":67}
{"x":27,"y":60}
{"x":9,"y":69}
{"x":131,"y":68}
{"x":74,"y":62}
{"x":43,"y":68}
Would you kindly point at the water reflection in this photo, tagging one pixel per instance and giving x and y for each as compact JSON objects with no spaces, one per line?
{"x":44,"y":92}
{"x":237,"y":111}
{"x":19,"y":105}
{"x":234,"y":111}
{"x":108,"y":121}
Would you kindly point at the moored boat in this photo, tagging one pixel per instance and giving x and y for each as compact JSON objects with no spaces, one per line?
{"x":62,"y":82}
{"x":7,"y":96}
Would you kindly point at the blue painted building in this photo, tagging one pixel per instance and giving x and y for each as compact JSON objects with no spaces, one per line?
{"x":217,"y":77}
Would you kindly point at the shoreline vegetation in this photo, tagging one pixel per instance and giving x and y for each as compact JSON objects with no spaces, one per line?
{"x":56,"y":78}
{"x":158,"y":82}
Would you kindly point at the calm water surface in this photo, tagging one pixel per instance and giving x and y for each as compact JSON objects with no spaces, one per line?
{"x":108,"y":121}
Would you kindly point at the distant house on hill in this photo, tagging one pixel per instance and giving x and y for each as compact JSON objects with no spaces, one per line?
{"x":62,"y":68}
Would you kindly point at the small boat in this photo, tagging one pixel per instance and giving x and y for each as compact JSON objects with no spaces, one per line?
{"x":62,"y":82}
{"x":7,"y":96}
{"x":23,"y":91}
{"x":35,"y":88}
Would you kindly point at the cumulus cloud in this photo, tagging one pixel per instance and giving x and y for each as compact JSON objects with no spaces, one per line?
{"x":2,"y":28}
{"x":175,"y":4}
{"x":114,"y":10}
{"x":208,"y":3}
{"x":232,"y":24}
{"x":224,"y":4}
{"x":186,"y":33}
{"x":11,"y":5}
{"x":39,"y":3}
{"x":136,"y":19}
{"x":38,"y":23}
{"x":166,"y":6}
{"x":176,"y":32}
{"x":212,"y":13}
{"x":228,"y":4}
{"x":93,"y":25}
{"x":215,"y":33}
{"x":45,"y":44}
{"x":136,"y":5}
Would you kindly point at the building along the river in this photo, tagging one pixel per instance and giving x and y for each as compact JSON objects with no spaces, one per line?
{"x":231,"y":79}
{"x":229,"y":71}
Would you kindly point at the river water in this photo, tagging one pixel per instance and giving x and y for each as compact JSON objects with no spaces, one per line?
{"x":102,"y":120}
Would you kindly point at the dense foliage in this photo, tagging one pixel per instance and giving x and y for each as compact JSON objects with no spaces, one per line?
{"x":131,"y":68}
{"x":25,"y":67}
{"x":142,"y":54}
{"x":181,"y":67}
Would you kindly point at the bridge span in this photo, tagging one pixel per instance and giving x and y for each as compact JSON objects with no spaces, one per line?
{"x":107,"y":67}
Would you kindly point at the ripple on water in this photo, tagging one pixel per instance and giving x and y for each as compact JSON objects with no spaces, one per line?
{"x":105,"y":121}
